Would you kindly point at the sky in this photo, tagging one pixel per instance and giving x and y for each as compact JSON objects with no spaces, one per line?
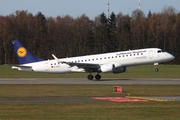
{"x":91,"y":8}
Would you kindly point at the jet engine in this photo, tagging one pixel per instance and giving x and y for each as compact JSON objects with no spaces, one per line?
{"x":111,"y":68}
{"x":38,"y":68}
{"x":107,"y":68}
{"x":119,"y":70}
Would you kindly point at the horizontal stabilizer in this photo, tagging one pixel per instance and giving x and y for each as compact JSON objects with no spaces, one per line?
{"x":24,"y":68}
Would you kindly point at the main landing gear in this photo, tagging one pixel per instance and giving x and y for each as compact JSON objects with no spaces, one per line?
{"x":97,"y":76}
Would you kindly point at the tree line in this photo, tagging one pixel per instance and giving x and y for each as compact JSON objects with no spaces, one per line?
{"x":66,"y":36}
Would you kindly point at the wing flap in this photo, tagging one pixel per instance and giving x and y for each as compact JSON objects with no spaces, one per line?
{"x":85,"y":65}
{"x":88,"y":67}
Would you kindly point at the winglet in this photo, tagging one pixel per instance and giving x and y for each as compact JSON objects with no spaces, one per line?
{"x":58,"y":60}
{"x":54,"y":57}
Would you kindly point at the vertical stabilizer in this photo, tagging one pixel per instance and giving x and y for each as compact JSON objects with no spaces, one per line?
{"x":23,"y":55}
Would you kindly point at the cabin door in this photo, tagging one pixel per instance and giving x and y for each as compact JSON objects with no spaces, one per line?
{"x":46,"y":66}
{"x":150,"y":54}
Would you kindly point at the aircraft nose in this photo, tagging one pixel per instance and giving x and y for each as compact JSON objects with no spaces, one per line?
{"x":170,"y":56}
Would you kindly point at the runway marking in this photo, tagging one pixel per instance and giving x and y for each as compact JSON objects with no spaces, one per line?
{"x":149,"y":98}
{"x":131,"y":99}
{"x":121,"y":99}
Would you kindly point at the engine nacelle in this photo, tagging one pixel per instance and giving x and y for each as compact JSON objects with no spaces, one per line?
{"x":38,"y":68}
{"x":119,"y":70}
{"x":107,"y":68}
{"x":111,"y":68}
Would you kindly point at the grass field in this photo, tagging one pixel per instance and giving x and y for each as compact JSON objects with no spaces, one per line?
{"x":91,"y":110}
{"x":88,"y":110}
{"x":43,"y":91}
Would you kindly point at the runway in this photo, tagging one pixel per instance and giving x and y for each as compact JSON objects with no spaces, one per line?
{"x":81,"y":81}
{"x":44,"y":100}
{"x":84,"y":81}
{"x":89,"y":99}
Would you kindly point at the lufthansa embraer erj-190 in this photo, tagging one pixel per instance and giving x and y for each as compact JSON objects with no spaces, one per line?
{"x":114,"y":62}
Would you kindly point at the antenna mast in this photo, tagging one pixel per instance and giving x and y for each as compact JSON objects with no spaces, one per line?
{"x":139,"y":7}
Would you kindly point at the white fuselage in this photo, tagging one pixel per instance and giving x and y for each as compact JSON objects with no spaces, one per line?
{"x":118,"y":59}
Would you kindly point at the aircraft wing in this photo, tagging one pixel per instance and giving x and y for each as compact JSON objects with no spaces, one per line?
{"x":85,"y":66}
{"x":89,"y":67}
{"x":82,"y":65}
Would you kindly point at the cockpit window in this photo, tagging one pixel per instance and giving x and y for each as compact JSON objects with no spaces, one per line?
{"x":163,"y":50}
{"x":160,"y":51}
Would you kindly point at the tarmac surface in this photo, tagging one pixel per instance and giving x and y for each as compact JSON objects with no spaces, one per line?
{"x":90,"y":99}
{"x":81,"y":81}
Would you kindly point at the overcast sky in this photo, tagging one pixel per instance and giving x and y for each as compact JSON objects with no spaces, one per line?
{"x":91,"y":8}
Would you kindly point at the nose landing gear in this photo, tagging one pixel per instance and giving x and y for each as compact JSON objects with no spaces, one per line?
{"x":156,"y":68}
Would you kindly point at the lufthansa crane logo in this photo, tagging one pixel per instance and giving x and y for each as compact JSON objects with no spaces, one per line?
{"x":21,"y":52}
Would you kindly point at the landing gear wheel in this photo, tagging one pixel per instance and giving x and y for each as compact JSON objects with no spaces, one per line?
{"x":156,"y":69}
{"x":98,"y":77}
{"x":90,"y":77}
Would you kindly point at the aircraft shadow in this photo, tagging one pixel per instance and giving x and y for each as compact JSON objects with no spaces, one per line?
{"x":112,"y":79}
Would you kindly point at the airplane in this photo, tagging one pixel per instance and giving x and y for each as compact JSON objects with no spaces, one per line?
{"x":114,"y":62}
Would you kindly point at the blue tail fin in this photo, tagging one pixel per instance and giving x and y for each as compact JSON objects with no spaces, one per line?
{"x":23,"y":55}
